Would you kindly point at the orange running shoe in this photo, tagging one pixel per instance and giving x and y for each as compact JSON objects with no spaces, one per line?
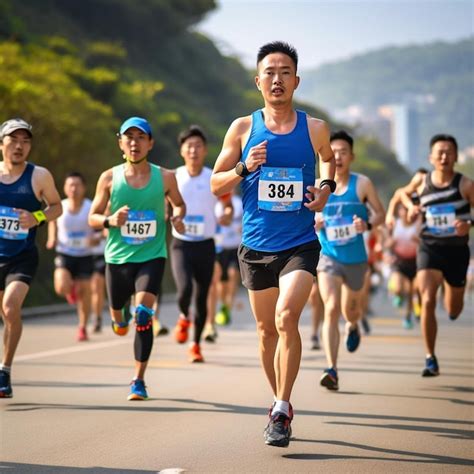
{"x":181,"y":330}
{"x":195,"y":353}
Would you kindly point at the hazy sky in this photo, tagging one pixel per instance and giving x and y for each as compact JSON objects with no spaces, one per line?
{"x":327,"y":30}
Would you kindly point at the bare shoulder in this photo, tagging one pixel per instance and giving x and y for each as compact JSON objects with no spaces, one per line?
{"x":240,"y":126}
{"x":168,"y":176}
{"x":317,"y":126}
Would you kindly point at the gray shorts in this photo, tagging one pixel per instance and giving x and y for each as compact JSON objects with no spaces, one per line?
{"x":352,"y":274}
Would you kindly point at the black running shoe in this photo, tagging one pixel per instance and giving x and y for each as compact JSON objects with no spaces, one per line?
{"x":431,"y":367}
{"x":278,"y":431}
{"x":329,"y":379}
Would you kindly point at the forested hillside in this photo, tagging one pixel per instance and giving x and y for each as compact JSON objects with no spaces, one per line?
{"x":76,"y":69}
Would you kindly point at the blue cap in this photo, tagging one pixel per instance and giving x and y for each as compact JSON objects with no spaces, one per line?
{"x":137,"y":122}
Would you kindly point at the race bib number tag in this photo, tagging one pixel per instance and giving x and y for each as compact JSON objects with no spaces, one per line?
{"x":77,"y":240}
{"x":10,"y":225}
{"x":140,"y":227}
{"x":440,"y":219}
{"x":280,"y":189}
{"x":194,"y":226}
{"x":340,"y":230}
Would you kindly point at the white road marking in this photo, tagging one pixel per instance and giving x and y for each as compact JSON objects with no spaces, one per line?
{"x":70,"y":350}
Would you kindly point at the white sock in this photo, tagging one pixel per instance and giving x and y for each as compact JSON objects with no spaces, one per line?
{"x":5,"y":368}
{"x":282,"y":407}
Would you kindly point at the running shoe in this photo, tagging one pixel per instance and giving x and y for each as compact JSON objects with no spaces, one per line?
{"x":365,"y":325}
{"x":5,"y":385}
{"x":158,"y":328}
{"x":223,"y":316}
{"x":353,"y":339}
{"x":315,"y":345}
{"x":195,"y":353}
{"x":98,"y":325}
{"x":81,"y":334}
{"x":137,"y":390}
{"x":431,"y":367}
{"x":181,"y":330}
{"x":408,"y":322}
{"x":397,"y":301}
{"x":329,"y":379}
{"x":121,"y":328}
{"x":210,"y":333}
{"x":278,"y":431}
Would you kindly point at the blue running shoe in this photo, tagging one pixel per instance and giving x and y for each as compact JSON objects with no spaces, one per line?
{"x":329,"y":379}
{"x":431,"y":367}
{"x":353,"y":339}
{"x":137,"y":390}
{"x":397,"y":301}
{"x":408,"y":322}
{"x":5,"y":385}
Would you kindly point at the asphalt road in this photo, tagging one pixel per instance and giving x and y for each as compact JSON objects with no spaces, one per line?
{"x":70,"y":414}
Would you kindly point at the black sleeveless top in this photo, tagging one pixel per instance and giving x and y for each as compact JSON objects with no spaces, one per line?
{"x":440,"y":207}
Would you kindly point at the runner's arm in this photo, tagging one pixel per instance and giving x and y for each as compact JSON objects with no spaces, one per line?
{"x":224,"y":178}
{"x":370,"y":195}
{"x":175,"y":199}
{"x":99,"y":204}
{"x":319,"y":135}
{"x":52,"y":235}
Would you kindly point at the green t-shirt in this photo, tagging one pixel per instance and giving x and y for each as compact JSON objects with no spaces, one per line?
{"x":143,"y":237}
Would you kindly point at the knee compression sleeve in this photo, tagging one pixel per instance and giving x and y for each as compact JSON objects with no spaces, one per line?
{"x":144,"y":334}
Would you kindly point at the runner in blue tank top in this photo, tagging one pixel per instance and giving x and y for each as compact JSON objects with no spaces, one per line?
{"x":272,"y":154}
{"x":343,"y":263}
{"x":23,"y":189}
{"x":446,"y":200}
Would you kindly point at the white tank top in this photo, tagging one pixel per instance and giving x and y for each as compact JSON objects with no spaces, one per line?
{"x":230,"y":236}
{"x":403,"y":235}
{"x":74,"y":231}
{"x":200,"y":220}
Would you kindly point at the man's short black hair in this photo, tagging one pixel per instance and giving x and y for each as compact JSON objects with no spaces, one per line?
{"x":421,"y":170}
{"x":342,"y":135}
{"x":443,"y":137}
{"x":278,"y":47}
{"x":192,"y":131}
{"x":76,"y":174}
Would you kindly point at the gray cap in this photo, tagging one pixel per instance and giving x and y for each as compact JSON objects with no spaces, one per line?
{"x":12,"y":125}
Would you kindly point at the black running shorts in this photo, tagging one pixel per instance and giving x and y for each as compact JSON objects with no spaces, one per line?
{"x":451,"y":260}
{"x":21,"y":267}
{"x":262,"y":270}
{"x":405,"y":266}
{"x":126,"y":279}
{"x":226,"y":259}
{"x":80,"y":268}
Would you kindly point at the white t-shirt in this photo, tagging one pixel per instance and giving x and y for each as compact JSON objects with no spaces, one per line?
{"x":200,"y":220}
{"x":230,"y":236}
{"x":74,"y":231}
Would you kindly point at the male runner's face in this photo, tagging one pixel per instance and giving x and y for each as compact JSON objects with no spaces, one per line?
{"x":194,"y":151}
{"x":343,"y":156}
{"x":16,"y":147}
{"x":135,"y":143}
{"x":74,"y":188}
{"x":443,"y":156}
{"x":277,"y":79}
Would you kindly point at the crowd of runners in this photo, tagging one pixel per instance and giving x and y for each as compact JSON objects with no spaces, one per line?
{"x":281,"y":212}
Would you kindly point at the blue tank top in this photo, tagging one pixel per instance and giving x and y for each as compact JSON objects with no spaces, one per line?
{"x":18,"y":195}
{"x":274,"y":218}
{"x":338,"y":237}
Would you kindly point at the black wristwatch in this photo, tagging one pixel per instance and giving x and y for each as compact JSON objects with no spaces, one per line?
{"x":106,"y":223}
{"x":241,"y":169}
